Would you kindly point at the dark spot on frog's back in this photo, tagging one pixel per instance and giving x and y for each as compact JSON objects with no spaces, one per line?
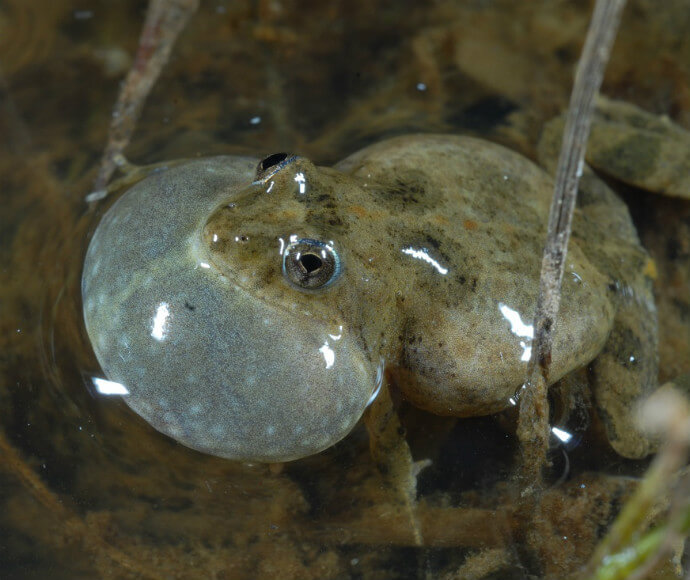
{"x":330,"y":217}
{"x":409,"y":190}
{"x":326,"y":200}
{"x":625,"y":345}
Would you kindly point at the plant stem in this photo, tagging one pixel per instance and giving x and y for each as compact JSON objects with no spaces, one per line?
{"x":533,"y":427}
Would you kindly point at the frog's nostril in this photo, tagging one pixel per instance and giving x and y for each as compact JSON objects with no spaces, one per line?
{"x":310,"y":262}
{"x":272,"y":164}
{"x":272,"y":160}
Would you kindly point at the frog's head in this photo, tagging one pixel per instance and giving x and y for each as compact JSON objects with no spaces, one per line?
{"x":274,"y":239}
{"x":272,"y":242}
{"x":226,"y":324}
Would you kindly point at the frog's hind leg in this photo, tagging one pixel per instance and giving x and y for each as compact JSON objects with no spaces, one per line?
{"x":626,"y":371}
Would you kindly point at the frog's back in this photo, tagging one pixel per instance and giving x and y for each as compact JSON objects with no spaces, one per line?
{"x":467,"y":227}
{"x":438,"y":174}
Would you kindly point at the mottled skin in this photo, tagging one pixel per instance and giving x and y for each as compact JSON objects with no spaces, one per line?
{"x":202,"y":359}
{"x":440,"y":242}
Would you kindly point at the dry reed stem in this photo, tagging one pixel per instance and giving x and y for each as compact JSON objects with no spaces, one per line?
{"x":533,"y":426}
{"x":387,"y":524}
{"x":482,"y":564}
{"x":165,"y":20}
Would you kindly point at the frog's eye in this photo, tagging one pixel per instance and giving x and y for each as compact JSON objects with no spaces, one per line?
{"x":310,"y":264}
{"x":269,"y":165}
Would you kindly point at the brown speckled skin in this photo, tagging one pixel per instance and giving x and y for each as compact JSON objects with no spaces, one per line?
{"x":440,"y":239}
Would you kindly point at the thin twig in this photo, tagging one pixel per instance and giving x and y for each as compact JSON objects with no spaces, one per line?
{"x":533,"y":428}
{"x":165,"y":19}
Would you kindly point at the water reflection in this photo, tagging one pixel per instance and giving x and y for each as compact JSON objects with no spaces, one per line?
{"x":106,"y":387}
{"x":160,"y":322}
{"x":561,"y":434}
{"x":423,"y":255}
{"x":520,"y":329}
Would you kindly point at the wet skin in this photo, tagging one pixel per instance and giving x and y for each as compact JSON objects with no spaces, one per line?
{"x":250,"y":312}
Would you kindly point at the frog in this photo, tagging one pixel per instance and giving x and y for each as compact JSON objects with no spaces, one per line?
{"x":252,"y":308}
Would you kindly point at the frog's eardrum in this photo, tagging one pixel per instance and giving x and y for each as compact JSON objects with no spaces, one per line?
{"x":201,"y":359}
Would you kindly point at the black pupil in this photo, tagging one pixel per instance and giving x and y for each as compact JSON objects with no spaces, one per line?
{"x":310,"y":262}
{"x":272,"y":160}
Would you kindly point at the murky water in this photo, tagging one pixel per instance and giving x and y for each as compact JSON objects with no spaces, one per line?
{"x":87,"y":488}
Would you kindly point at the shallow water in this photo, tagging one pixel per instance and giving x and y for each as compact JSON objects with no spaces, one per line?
{"x":91,"y":490}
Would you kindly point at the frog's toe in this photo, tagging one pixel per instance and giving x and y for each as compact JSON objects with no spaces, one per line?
{"x":625,"y":373}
